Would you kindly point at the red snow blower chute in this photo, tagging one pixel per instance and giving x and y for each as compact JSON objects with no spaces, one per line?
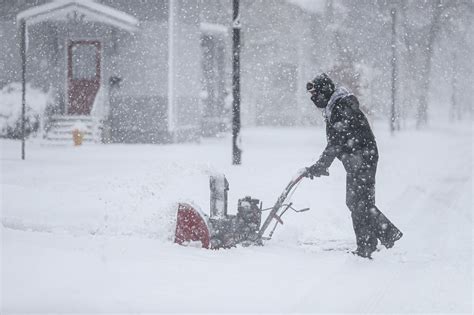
{"x":223,"y":230}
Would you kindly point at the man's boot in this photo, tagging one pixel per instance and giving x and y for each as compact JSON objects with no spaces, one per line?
{"x":386,"y":231}
{"x":390,"y":237}
{"x":365,"y":237}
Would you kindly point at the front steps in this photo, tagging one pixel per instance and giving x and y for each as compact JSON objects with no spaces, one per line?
{"x":60,"y":128}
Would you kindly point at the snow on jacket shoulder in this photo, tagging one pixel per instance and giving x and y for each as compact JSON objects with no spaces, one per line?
{"x":347,"y":129}
{"x":338,"y":94}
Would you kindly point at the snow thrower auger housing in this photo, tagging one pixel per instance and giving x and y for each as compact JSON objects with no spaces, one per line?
{"x":223,"y":230}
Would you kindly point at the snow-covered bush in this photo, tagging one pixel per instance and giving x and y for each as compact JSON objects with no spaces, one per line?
{"x":10,"y":109}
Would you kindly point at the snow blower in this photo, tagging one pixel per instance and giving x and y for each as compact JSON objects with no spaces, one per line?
{"x":223,"y":230}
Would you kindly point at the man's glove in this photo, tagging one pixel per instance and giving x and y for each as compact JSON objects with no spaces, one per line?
{"x":316,"y":170}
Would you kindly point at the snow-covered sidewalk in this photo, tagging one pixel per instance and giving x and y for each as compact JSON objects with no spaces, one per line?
{"x":89,"y":229}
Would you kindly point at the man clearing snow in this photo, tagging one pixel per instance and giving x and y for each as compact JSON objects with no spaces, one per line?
{"x":351,"y":140}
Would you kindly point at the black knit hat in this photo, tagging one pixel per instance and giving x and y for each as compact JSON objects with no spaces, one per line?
{"x":322,"y":84}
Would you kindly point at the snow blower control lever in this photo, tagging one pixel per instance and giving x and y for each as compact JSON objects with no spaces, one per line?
{"x":223,"y":230}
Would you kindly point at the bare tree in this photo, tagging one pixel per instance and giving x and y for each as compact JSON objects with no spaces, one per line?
{"x":433,"y":30}
{"x":421,"y":39}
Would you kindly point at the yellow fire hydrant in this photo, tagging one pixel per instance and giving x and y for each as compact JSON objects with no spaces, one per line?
{"x":77,"y":137}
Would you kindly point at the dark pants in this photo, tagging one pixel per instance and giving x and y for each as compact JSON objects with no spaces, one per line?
{"x":368,"y":221}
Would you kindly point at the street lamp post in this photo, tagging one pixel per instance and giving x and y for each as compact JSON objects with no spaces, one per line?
{"x":236,"y":150}
{"x":394,"y":115}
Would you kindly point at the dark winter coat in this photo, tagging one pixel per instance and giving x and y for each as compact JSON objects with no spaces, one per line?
{"x":349,"y":136}
{"x":351,"y":140}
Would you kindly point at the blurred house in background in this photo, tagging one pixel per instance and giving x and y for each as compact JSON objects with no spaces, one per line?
{"x":155,"y":71}
{"x":278,"y":58}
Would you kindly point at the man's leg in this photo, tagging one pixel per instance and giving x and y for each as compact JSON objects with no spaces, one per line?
{"x":358,"y":197}
{"x":385,"y":230}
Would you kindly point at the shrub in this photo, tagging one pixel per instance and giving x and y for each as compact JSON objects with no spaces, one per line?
{"x":10,"y":110}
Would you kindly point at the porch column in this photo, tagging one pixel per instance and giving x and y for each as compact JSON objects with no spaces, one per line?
{"x":23,"y":84}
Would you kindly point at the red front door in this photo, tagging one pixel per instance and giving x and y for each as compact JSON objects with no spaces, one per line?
{"x":83,"y":76}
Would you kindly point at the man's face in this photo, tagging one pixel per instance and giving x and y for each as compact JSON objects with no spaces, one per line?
{"x":319,"y":100}
{"x":316,"y":96}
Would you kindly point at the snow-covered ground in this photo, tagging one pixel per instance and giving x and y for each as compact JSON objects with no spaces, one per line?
{"x":89,"y":229}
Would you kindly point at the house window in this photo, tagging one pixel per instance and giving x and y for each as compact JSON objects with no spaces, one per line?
{"x":84,"y":62}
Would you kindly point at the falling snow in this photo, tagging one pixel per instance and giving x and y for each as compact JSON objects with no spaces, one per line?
{"x":88,"y":223}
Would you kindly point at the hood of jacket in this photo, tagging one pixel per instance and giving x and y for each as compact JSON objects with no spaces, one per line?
{"x":338,"y":94}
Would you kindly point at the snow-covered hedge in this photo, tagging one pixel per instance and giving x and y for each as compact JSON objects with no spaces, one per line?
{"x":10,"y":109}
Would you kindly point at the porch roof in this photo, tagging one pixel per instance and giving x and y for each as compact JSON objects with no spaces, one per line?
{"x":86,"y":10}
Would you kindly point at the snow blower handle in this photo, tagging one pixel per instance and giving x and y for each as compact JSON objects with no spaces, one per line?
{"x":315,"y":171}
{"x":302,"y":173}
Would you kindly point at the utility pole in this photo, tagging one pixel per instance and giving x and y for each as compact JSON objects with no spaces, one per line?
{"x":455,"y":112}
{"x":393,"y":112}
{"x":23,"y":84}
{"x":172,"y":111}
{"x":236,"y":151}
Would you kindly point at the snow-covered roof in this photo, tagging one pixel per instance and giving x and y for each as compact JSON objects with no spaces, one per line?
{"x":88,"y":10}
{"x":314,"y":6}
{"x":213,"y":28}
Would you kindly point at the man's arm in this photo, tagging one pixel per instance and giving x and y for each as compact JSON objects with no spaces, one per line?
{"x":328,"y":156}
{"x":325,"y":160}
{"x":340,"y":120}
